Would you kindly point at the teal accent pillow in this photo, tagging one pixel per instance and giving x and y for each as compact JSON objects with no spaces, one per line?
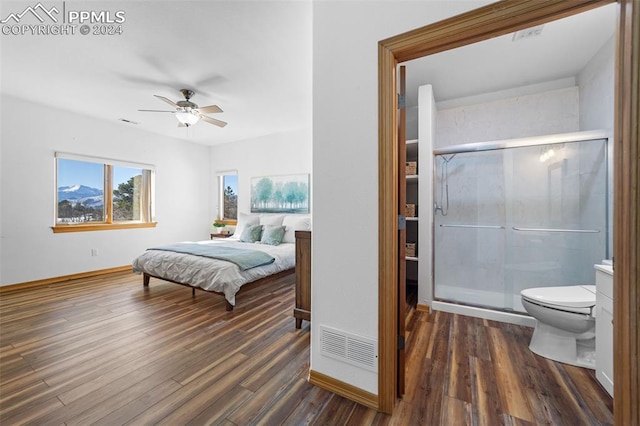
{"x":272,"y":235}
{"x":251,"y":233}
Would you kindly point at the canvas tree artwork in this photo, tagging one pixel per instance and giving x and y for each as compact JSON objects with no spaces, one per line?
{"x":280,"y":194}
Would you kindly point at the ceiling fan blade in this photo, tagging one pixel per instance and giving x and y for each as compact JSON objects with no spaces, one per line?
{"x":213,"y":121}
{"x":210,"y":109}
{"x":155,"y":110}
{"x":167,"y":100}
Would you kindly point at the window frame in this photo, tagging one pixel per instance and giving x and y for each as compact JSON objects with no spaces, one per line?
{"x":108,"y":223}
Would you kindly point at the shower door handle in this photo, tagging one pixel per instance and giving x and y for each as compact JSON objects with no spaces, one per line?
{"x":472,"y":226}
{"x":578,"y":231}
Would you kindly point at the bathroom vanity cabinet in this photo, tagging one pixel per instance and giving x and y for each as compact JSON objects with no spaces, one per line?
{"x":604,"y":326}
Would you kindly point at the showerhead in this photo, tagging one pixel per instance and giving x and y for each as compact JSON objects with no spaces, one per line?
{"x":444,"y":186}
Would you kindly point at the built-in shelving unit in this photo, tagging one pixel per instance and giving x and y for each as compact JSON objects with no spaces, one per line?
{"x":420,"y":271}
{"x":412,"y":183}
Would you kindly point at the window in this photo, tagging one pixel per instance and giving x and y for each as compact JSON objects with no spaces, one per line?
{"x":228,"y":196}
{"x":94,"y":193}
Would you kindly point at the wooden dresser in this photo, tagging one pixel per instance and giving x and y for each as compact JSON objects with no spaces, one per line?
{"x":302,"y":311}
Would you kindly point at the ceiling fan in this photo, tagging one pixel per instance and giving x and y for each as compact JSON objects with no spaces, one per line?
{"x":189,"y":113}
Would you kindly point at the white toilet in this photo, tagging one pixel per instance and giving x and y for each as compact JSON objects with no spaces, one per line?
{"x":565,"y":330}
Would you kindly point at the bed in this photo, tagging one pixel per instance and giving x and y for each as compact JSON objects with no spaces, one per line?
{"x":198,"y":271}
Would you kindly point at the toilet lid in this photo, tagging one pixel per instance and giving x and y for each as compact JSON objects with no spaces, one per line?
{"x":576,"y":296}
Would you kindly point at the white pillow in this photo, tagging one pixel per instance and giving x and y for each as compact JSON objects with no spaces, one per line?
{"x":244,"y":220}
{"x":271,"y":219}
{"x":293,"y":223}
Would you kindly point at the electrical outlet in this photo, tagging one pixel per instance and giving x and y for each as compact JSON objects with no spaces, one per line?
{"x":94,"y":252}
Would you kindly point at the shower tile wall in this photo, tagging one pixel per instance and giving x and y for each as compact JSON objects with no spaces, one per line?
{"x":546,"y":113}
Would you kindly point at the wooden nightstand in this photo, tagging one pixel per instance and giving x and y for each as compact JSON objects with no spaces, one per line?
{"x":302,"y":310}
{"x":212,"y":236}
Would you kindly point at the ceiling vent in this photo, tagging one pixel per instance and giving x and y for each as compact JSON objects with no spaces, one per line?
{"x":356,"y":350}
{"x":528,"y":33}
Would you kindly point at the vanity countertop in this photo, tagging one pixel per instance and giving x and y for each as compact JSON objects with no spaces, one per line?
{"x":604,"y":268}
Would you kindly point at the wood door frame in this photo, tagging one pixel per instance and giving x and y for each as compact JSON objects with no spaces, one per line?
{"x":402,"y":234}
{"x":493,"y":20}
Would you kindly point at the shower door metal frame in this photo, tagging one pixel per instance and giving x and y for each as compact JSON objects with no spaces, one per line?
{"x":574,"y":137}
{"x":524,"y":142}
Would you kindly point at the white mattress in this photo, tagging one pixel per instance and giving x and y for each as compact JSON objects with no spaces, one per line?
{"x":212,"y":274}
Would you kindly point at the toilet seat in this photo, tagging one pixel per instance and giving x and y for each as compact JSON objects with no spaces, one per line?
{"x":577,"y":298}
{"x":565,"y":323}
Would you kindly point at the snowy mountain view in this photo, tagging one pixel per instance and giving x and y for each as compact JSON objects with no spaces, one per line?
{"x":81,"y":194}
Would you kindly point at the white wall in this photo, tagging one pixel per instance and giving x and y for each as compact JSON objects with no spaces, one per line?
{"x":345,"y":165}
{"x":426,"y":133}
{"x":1,"y":198}
{"x":272,"y":155}
{"x":596,"y":83}
{"x":29,"y":248}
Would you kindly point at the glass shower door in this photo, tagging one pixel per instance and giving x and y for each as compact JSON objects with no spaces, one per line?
{"x":556,"y":216}
{"x":469,"y":233}
{"x":520,"y":217}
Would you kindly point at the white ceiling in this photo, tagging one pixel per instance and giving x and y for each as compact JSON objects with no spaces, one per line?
{"x":562,"y":50}
{"x":253,"y":59}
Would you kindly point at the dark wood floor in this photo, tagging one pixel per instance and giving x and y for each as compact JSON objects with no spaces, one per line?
{"x":107,"y":351}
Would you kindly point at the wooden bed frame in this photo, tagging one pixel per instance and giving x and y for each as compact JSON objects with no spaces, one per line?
{"x":229,"y":307}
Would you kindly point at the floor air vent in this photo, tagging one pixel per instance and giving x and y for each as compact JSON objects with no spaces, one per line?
{"x":356,"y":350}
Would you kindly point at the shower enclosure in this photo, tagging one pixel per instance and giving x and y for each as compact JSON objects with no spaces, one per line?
{"x":520,"y":214}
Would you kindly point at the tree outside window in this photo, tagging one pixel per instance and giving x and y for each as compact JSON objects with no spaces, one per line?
{"x":126,"y":197}
{"x":229,"y":186}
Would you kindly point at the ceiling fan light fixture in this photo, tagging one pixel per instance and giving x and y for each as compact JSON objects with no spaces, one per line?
{"x":187,"y":113}
{"x":187,"y":118}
